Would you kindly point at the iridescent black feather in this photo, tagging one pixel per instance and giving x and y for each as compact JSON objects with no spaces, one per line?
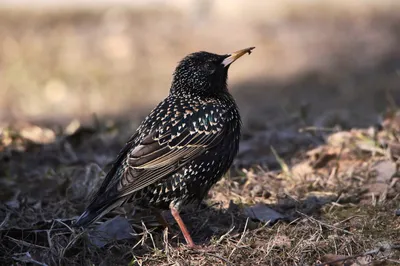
{"x":181,"y":149}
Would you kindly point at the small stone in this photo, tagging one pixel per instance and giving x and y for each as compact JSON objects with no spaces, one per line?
{"x":257,"y":191}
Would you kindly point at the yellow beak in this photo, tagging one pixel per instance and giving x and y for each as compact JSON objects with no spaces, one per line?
{"x":234,"y":56}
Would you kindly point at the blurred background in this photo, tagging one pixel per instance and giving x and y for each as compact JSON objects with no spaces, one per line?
{"x":328,"y":62}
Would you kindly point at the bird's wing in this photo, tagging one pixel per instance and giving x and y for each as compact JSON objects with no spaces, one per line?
{"x":174,"y":140}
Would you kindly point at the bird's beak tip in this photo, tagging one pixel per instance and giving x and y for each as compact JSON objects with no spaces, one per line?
{"x":236,"y":55}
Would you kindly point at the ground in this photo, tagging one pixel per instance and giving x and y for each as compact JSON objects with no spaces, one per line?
{"x":316,"y":180}
{"x":330,"y":201}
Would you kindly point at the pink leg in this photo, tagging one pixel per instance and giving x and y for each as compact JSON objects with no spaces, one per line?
{"x":182,"y":226}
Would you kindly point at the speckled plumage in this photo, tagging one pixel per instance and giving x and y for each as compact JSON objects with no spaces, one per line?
{"x":183,"y":146}
{"x":203,"y":134}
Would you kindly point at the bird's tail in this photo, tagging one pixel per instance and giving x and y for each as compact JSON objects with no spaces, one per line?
{"x":95,"y":211}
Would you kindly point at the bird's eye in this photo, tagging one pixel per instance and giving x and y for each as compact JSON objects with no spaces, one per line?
{"x":210,"y":67}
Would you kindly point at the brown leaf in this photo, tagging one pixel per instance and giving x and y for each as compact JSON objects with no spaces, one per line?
{"x":323,"y":160}
{"x":364,"y":260}
{"x":336,"y":260}
{"x":377,"y":188}
{"x":38,"y":135}
{"x":394,"y":148}
{"x":384,"y":170}
{"x":301,"y":170}
{"x":339,"y":138}
{"x":282,"y":241}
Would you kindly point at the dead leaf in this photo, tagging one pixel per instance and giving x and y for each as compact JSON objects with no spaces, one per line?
{"x":336,"y":260}
{"x":301,"y":170}
{"x":339,"y":138}
{"x":365,"y":260}
{"x":384,"y":170}
{"x":263,"y":213}
{"x":369,"y":145}
{"x":112,"y":230}
{"x":38,"y":134}
{"x":282,"y":241}
{"x":221,"y":198}
{"x":377,"y":188}
{"x":323,"y":160}
{"x":259,"y":191}
{"x":72,"y":127}
{"x":394,"y":149}
{"x":392,"y":121}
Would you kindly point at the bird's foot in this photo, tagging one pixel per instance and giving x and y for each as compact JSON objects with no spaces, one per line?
{"x":194,"y":247}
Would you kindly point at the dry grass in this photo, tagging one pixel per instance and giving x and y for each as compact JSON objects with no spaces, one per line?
{"x":337,"y":199}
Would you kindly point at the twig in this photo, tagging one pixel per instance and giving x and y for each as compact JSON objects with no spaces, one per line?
{"x":49,"y":239}
{"x":325,"y":224}
{"x":313,"y":128}
{"x":5,"y":220}
{"x":166,"y":243}
{"x":24,"y":243}
{"x":151,"y":235}
{"x":219,"y":257}
{"x":144,"y":235}
{"x":348,"y":219}
{"x":142,"y":239}
{"x":225,"y":235}
{"x":135,"y":260}
{"x":66,"y":225}
{"x":241,"y":238}
{"x":394,"y":261}
{"x":71,"y":242}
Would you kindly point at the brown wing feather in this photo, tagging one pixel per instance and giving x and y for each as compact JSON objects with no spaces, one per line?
{"x":153,"y":157}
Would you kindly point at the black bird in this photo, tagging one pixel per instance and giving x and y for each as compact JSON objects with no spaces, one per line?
{"x":181,"y":149}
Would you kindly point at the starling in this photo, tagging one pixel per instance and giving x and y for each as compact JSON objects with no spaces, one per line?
{"x":181,"y":149}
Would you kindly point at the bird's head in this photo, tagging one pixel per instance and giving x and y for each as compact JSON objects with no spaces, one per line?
{"x":203,"y":73}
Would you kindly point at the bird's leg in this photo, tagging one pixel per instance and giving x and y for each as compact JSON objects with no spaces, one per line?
{"x":182,"y":226}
